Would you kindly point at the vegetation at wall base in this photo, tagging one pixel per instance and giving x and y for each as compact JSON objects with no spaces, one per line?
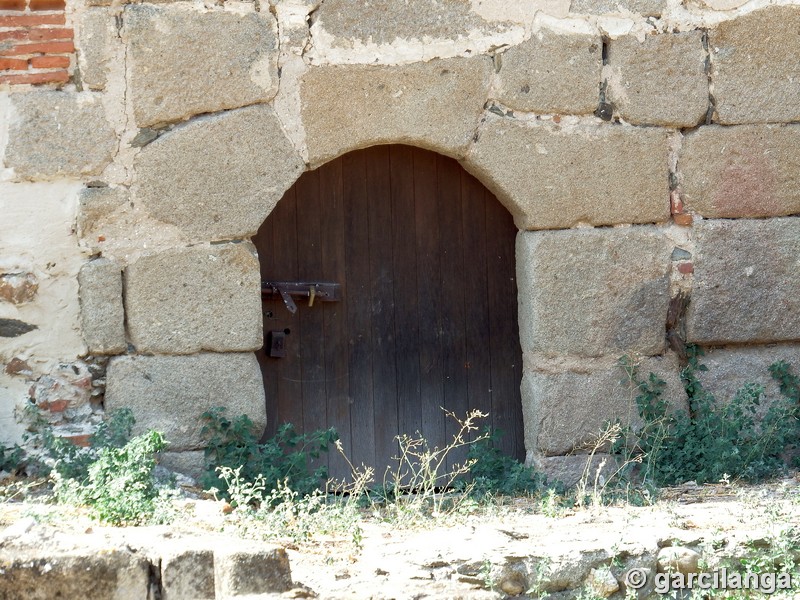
{"x":492,"y":472}
{"x":713,"y":440}
{"x":284,"y":459}
{"x":114,"y":477}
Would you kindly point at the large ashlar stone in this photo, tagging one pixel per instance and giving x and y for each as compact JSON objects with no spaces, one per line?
{"x":746,"y":282}
{"x":567,"y":412}
{"x":203,"y":297}
{"x":58,"y":134}
{"x":593,"y":292}
{"x":186,"y":60}
{"x":91,"y":573}
{"x":729,"y":369}
{"x":755,"y":71}
{"x":553,"y":177}
{"x":102,"y":313}
{"x":97,"y":29}
{"x":385,"y":21}
{"x":170,"y":393}
{"x":218,"y":177}
{"x":646,"y":8}
{"x":743,"y":171}
{"x":552,"y":73}
{"x":187,"y":572}
{"x":435,"y":105}
{"x":244,"y":570}
{"x":661,"y":81}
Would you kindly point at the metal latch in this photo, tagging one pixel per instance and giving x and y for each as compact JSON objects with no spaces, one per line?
{"x":313,"y":290}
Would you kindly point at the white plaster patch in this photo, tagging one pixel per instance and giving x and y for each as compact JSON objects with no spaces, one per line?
{"x":518,"y":11}
{"x":42,"y":241}
{"x":13,"y":393}
{"x":328,"y":49}
{"x":563,"y":26}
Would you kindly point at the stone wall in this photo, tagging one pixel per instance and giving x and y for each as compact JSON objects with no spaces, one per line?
{"x":646,"y":148}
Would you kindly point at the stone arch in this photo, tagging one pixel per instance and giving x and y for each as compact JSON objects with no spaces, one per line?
{"x":217,"y":178}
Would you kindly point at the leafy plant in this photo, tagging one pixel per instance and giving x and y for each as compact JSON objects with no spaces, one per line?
{"x":11,"y":459}
{"x":120,"y":487}
{"x":493,"y":472}
{"x":284,"y":458}
{"x":713,"y":440}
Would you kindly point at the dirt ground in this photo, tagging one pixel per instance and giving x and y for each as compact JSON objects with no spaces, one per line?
{"x":492,"y":553}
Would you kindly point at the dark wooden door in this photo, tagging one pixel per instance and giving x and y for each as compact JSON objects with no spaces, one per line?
{"x":428,"y":315}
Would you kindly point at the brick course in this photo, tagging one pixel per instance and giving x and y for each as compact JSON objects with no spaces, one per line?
{"x":35,"y":47}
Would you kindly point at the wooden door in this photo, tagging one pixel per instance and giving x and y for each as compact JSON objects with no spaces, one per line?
{"x":428,"y":311}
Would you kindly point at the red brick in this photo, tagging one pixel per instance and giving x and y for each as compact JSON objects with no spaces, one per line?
{"x":43,"y":48}
{"x":35,"y":78}
{"x":58,"y":405}
{"x":50,"y":62}
{"x":47,"y":4}
{"x":40,"y":35}
{"x":79,"y":440}
{"x":31,"y":20}
{"x":12,"y":4}
{"x":13,"y":64}
{"x":683,"y":219}
{"x":37,"y":35}
{"x":676,"y":203}
{"x":686,"y":268}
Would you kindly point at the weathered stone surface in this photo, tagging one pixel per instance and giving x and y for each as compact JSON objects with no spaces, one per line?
{"x":187,"y":573}
{"x":593,"y":292}
{"x":553,"y":177}
{"x":565,"y":412}
{"x":218,"y":177}
{"x":58,"y":134}
{"x":746,"y":283}
{"x":602,"y":582}
{"x":170,"y":393}
{"x":198,"y":298}
{"x":97,"y":30}
{"x":102,"y":312}
{"x":552,"y":73}
{"x":189,"y":463}
{"x":661,"y":81}
{"x":678,"y":559}
{"x":755,"y":71}
{"x":435,"y":105}
{"x":18,"y":288}
{"x":384,"y":21}
{"x":729,"y":369}
{"x":744,"y":171}
{"x":647,"y":8}
{"x":569,"y":470}
{"x":186,"y":60}
{"x":89,"y":574}
{"x":257,"y":569}
{"x":96,"y":204}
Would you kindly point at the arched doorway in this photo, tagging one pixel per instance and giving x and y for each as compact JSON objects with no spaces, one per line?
{"x":426,"y":315}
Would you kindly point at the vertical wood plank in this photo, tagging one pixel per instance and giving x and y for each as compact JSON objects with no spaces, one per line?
{"x":476,"y":289}
{"x":429,"y":294}
{"x":453,"y":342}
{"x":505,"y":348}
{"x":405,"y":261}
{"x":382,"y":306}
{"x":289,"y":369}
{"x":337,"y":375}
{"x":312,"y":352}
{"x":362,"y":421}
